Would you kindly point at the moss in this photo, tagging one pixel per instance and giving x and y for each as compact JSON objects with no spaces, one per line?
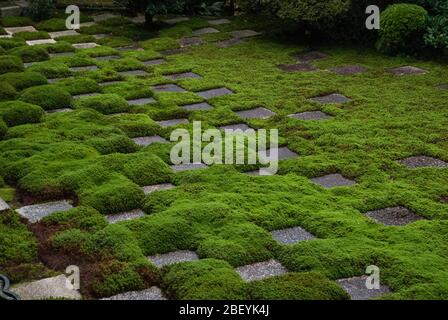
{"x":16,"y":21}
{"x":105,"y":103}
{"x":15,"y":113}
{"x":160,"y":44}
{"x":136,"y":125}
{"x":23,"y":80}
{"x":32,"y":35}
{"x":51,"y":69}
{"x":11,"y":43}
{"x":10,"y":64}
{"x":82,"y":38}
{"x":113,"y":144}
{"x":3,"y":130}
{"x":51,"y":25}
{"x":115,"y":42}
{"x":7,"y":91}
{"x":49,"y":97}
{"x":147,"y":169}
{"x":79,"y":85}
{"x":30,"y":54}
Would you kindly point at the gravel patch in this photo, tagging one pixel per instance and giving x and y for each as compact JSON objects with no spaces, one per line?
{"x":331,"y":98}
{"x":36,"y":212}
{"x":213,"y":93}
{"x":168,"y":88}
{"x":161,"y":260}
{"x":393,"y":216}
{"x":45,"y":289}
{"x":298,"y":67}
{"x":406,"y":70}
{"x":261,"y":270}
{"x":157,"y":187}
{"x":153,"y":293}
{"x":125,"y":216}
{"x":422,"y":162}
{"x":310,"y":115}
{"x":291,"y":235}
{"x":183,"y":75}
{"x":257,"y":113}
{"x":356,"y":288}
{"x":348,"y":70}
{"x":172,"y":122}
{"x":333,"y":180}
{"x":141,"y":101}
{"x":197,"y":106}
{"x":188,"y":166}
{"x":146,"y":141}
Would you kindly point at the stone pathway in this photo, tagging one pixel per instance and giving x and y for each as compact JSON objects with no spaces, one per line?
{"x":261,"y":270}
{"x":146,"y":141}
{"x":153,"y":293}
{"x":188,"y":166}
{"x":333,"y":180}
{"x":229,"y":42}
{"x":240,"y":34}
{"x":331,"y":98}
{"x":310,"y":115}
{"x":125,"y":216}
{"x":168,"y":88}
{"x":291,"y":235}
{"x":14,"y":30}
{"x":172,"y":122}
{"x":157,"y":187}
{"x":213,"y":93}
{"x":154,"y":62}
{"x":393,"y":216}
{"x":349,"y":70}
{"x":183,"y":75}
{"x":3,"y":205}
{"x":84,"y":68}
{"x":422,"y":162}
{"x":197,"y":106}
{"x":406,"y":70}
{"x":141,"y":101}
{"x":161,"y":260}
{"x":36,"y":212}
{"x":356,"y":288}
{"x":208,"y":30}
{"x":257,"y":113}
{"x":38,"y":42}
{"x":46,"y":289}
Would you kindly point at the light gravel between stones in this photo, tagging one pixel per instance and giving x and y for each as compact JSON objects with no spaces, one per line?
{"x":357,"y":289}
{"x":153,"y":293}
{"x":45,"y":289}
{"x":161,"y":260}
{"x":157,"y":187}
{"x":291,"y":235}
{"x":125,"y":216}
{"x":393,"y":216}
{"x":36,"y":212}
{"x":261,"y":270}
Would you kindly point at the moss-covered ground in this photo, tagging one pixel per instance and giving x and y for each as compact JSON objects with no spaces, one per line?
{"x":221,"y":213}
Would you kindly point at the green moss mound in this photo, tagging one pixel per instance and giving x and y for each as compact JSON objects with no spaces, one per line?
{"x":105,"y":103}
{"x":7,"y":91}
{"x":49,"y":97}
{"x":23,"y":80}
{"x":30,"y":53}
{"x":10,"y":64}
{"x":16,"y":112}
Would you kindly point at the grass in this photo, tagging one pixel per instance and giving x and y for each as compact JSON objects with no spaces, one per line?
{"x":221,"y":213}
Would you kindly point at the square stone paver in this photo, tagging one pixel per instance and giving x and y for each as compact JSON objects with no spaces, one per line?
{"x":310,"y":115}
{"x":125,"y":216}
{"x":65,"y":33}
{"x":291,"y":235}
{"x":87,"y":45}
{"x":38,"y":42}
{"x":238,"y":126}
{"x":84,"y":68}
{"x":331,"y":98}
{"x":218,"y":22}
{"x":109,"y":83}
{"x":333,"y":180}
{"x":108,"y":58}
{"x":244,"y":34}
{"x":310,"y":56}
{"x":153,"y":293}
{"x":229,"y":42}
{"x":86,"y":95}
{"x":183,"y":75}
{"x":146,"y":141}
{"x":158,"y":187}
{"x":197,"y":106}
{"x":188,"y":166}
{"x":298,"y":67}
{"x":202,"y":31}
{"x":171,"y":52}
{"x":14,"y":30}
{"x":132,"y":47}
{"x":406,"y":70}
{"x":261,"y":270}
{"x":62,"y":110}
{"x":141,"y":101}
{"x":348,"y":70}
{"x":176,"y":20}
{"x":357,"y":289}
{"x":44,"y":289}
{"x":172,"y":122}
{"x":442,"y":86}
{"x":36,"y":212}
{"x":209,"y":94}
{"x":281,"y":153}
{"x":161,"y":260}
{"x":257,"y":113}
{"x":3,"y":205}
{"x":54,"y":80}
{"x":394,"y":216}
{"x":154,"y":62}
{"x":422,"y":162}
{"x":192,"y":41}
{"x":168,"y":88}
{"x":62,"y":54}
{"x":134,"y":73}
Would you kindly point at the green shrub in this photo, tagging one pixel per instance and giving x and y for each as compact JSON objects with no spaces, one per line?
{"x":436,"y":35}
{"x":10,"y":64}
{"x":402,"y":28}
{"x":16,"y":21}
{"x":49,"y":97}
{"x":30,"y":53}
{"x":16,"y":112}
{"x":312,"y":10}
{"x":3,"y":130}
{"x":7,"y":92}
{"x":23,"y":80}
{"x":115,"y":42}
{"x":32,"y":35}
{"x":40,"y":9}
{"x":105,"y":103}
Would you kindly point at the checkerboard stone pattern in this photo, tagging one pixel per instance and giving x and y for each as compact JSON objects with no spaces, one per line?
{"x":49,"y":288}
{"x":161,"y":260}
{"x":153,"y":293}
{"x":157,"y":187}
{"x":125,"y":216}
{"x":261,"y":270}
{"x":168,"y":88}
{"x":393,"y":216}
{"x":197,"y":106}
{"x":291,"y":235}
{"x":238,"y":126}
{"x":281,"y":153}
{"x":333,"y":180}
{"x":406,"y":70}
{"x":134,"y":73}
{"x":183,"y":75}
{"x":357,"y":289}
{"x":154,"y":62}
{"x":146,"y":141}
{"x":84,"y":68}
{"x":141,"y":101}
{"x":422,"y":162}
{"x":36,"y":212}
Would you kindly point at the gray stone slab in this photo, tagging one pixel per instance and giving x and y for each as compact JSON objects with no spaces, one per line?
{"x":281,"y":153}
{"x":213,"y":93}
{"x":348,"y":70}
{"x":239,"y":34}
{"x":141,"y":101}
{"x":218,"y":22}
{"x":65,"y":33}
{"x":310,"y":56}
{"x":29,"y":64}
{"x":108,"y":58}
{"x":87,"y":45}
{"x":61,"y":54}
{"x":310,"y":115}
{"x":48,"y":288}
{"x":393,"y":216}
{"x":132,"y":47}
{"x":161,"y":260}
{"x":183,"y":75}
{"x":298,"y":67}
{"x":291,"y":235}
{"x":238,"y":126}
{"x":261,"y":270}
{"x":153,"y":293}
{"x":62,"y":110}
{"x":154,"y":62}
{"x":36,"y":212}
{"x":176,"y":20}
{"x":84,"y":68}
{"x":197,"y":106}
{"x":257,"y":113}
{"x":171,"y":52}
{"x":14,"y":30}
{"x":202,"y":31}
{"x":188,"y":166}
{"x":333,"y":180}
{"x":125,"y":216}
{"x":172,"y":122}
{"x":109,"y":83}
{"x":188,"y":42}
{"x":229,"y":42}
{"x":3,"y":205}
{"x":86,"y":95}
{"x":259,"y":173}
{"x":146,"y":141}
{"x":168,"y":88}
{"x":134,"y":73}
{"x":331,"y":98}
{"x":357,"y":289}
{"x":40,"y":41}
{"x":406,"y":70}
{"x":54,"y":80}
{"x":422,"y":162}
{"x":104,"y":16}
{"x":443,"y":86}
{"x":158,"y":187}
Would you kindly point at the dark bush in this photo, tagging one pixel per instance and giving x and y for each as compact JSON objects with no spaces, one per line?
{"x":3,"y":130}
{"x":23,"y":80}
{"x":40,"y":9}
{"x":49,"y":97}
{"x":10,"y":64}
{"x":7,"y":92}
{"x":30,"y":54}
{"x":17,"y":112}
